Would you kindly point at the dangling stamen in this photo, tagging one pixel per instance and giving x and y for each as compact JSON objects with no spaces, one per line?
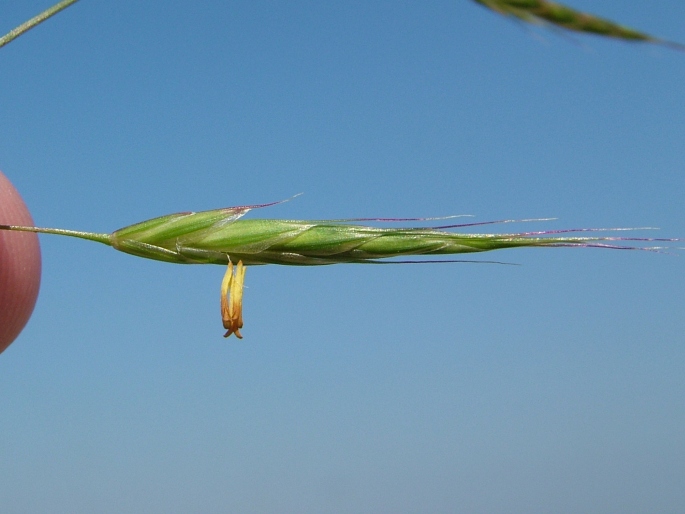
{"x":232,"y":299}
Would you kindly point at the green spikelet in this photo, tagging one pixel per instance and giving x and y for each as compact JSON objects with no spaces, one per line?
{"x":220,"y":237}
{"x":570,"y":19}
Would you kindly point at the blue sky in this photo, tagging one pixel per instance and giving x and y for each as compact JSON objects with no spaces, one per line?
{"x":554,"y":386}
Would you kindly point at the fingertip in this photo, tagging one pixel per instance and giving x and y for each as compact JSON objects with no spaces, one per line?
{"x":20,"y":265}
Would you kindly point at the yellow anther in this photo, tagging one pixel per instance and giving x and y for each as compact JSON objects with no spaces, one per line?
{"x":232,"y":299}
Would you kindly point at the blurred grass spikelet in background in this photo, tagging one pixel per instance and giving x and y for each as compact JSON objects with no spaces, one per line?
{"x":559,"y":15}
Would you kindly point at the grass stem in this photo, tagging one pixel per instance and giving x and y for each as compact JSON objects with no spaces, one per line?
{"x":36,"y":20}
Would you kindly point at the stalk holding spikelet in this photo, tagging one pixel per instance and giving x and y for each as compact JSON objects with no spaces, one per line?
{"x":570,"y":19}
{"x":220,"y":237}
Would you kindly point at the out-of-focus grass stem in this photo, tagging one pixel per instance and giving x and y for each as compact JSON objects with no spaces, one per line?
{"x":36,"y":20}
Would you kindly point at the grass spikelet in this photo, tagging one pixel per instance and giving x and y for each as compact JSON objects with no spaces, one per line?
{"x":221,"y":237}
{"x":562,"y":16}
